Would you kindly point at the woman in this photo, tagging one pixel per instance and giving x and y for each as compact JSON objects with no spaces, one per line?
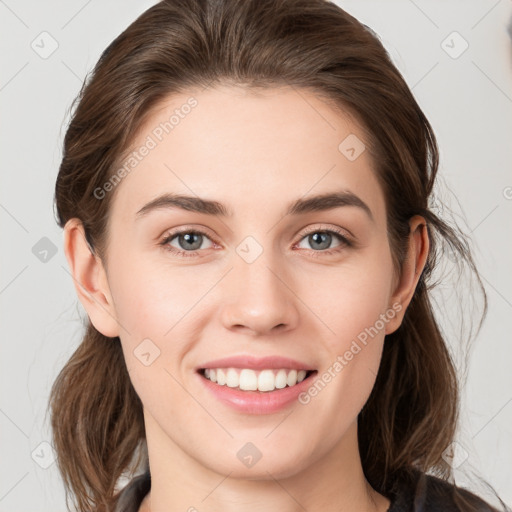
{"x":245,"y":194}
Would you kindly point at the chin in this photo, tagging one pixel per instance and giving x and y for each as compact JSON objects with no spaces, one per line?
{"x":272,"y":464}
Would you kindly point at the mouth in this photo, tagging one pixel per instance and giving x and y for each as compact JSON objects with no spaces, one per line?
{"x":263,"y":381}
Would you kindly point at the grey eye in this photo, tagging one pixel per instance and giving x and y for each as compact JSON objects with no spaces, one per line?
{"x":320,"y":240}
{"x":188,"y":241}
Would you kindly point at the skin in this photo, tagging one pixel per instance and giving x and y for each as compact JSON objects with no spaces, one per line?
{"x":255,"y":153}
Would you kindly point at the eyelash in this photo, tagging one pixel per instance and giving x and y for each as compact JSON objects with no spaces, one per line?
{"x":344,"y":242}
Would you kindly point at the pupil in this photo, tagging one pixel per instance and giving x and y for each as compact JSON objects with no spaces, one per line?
{"x":189,"y":239}
{"x":316,"y":238}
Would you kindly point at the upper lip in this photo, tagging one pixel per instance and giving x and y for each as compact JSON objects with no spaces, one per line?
{"x":256,"y":363}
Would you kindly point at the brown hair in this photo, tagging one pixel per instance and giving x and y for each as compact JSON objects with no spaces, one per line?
{"x":411,"y":415}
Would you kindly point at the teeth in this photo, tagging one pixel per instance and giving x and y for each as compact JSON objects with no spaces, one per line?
{"x":248,"y":380}
{"x":221,"y":376}
{"x":232,"y":378}
{"x":266,"y":380}
{"x":281,"y":379}
{"x":251,"y":380}
{"x":292,"y":378}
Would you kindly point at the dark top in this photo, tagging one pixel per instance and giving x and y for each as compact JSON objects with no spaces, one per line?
{"x":415,"y":493}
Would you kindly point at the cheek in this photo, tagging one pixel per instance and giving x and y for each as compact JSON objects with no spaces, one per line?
{"x":351,"y":298}
{"x":151,"y":298}
{"x":355,"y":310}
{"x":152,"y":304}
{"x":160,"y":309}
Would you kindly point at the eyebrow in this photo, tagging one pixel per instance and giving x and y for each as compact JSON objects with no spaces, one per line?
{"x":320,"y":202}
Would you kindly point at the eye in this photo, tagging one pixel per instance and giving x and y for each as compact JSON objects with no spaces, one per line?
{"x":320,"y":240}
{"x":189,"y":242}
{"x":186,"y":241}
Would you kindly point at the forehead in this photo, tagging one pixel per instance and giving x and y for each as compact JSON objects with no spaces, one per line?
{"x":251,"y":148}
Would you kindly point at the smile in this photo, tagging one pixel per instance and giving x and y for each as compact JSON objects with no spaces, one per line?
{"x":247,"y":379}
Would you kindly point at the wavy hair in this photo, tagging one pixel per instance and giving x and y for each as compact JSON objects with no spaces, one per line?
{"x":411,"y":414}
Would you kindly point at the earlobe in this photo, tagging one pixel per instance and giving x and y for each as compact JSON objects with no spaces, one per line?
{"x":90,"y":279}
{"x":416,"y":258}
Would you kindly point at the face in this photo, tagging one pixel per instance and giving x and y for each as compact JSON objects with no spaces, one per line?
{"x":264,"y":275}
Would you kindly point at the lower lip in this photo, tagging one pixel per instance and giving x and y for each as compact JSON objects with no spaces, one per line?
{"x":257,"y":402}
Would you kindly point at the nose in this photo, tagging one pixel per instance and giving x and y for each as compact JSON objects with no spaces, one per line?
{"x":260,"y":299}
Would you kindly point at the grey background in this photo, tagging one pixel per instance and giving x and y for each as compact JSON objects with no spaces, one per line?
{"x":466,"y":96}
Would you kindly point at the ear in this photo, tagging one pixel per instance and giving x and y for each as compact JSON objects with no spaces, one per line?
{"x":90,"y":279}
{"x":416,"y":257}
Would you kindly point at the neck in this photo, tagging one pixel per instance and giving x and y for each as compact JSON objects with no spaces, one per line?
{"x":332,"y":482}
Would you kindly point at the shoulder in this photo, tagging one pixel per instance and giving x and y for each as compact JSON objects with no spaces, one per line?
{"x":418,"y":491}
{"x":412,"y":492}
{"x":131,"y":496}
